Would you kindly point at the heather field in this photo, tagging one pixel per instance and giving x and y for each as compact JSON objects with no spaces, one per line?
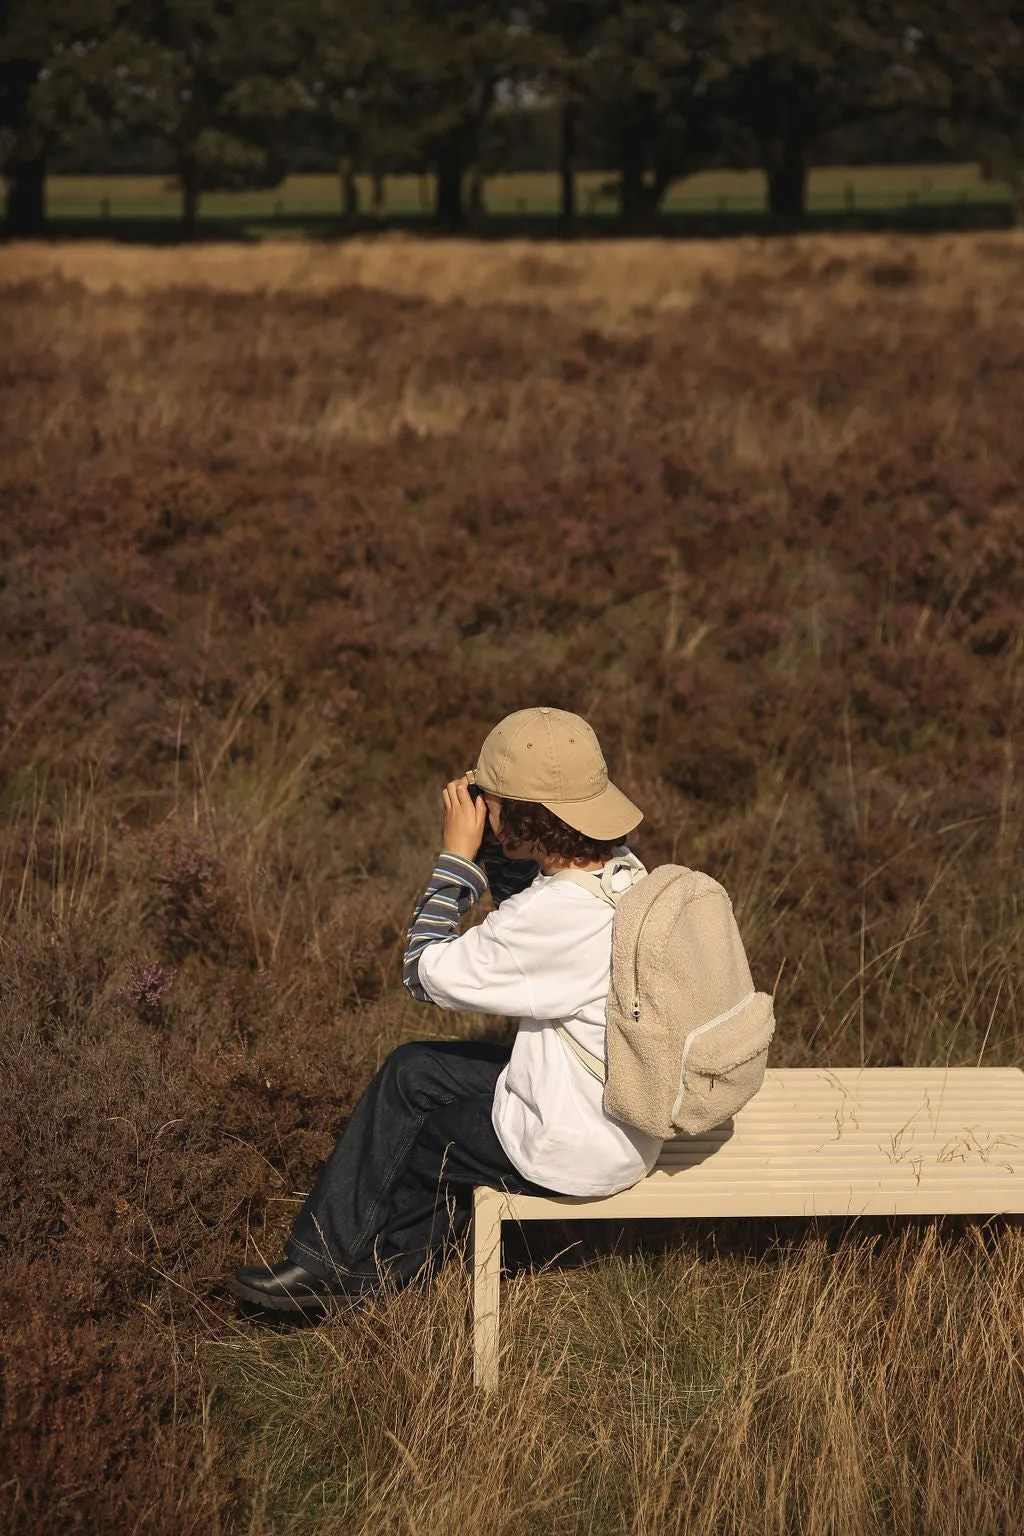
{"x":283,"y":531}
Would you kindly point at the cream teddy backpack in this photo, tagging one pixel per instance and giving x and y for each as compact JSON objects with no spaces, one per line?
{"x":687,"y":1037}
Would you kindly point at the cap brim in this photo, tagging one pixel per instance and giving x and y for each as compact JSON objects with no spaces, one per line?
{"x":608,"y":815}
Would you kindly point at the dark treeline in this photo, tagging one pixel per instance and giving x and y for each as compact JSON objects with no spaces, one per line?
{"x":235,"y":93}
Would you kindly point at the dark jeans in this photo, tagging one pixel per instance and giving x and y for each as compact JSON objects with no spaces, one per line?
{"x":397,"y":1190}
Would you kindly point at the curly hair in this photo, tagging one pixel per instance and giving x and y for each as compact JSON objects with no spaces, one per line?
{"x":525,"y":821}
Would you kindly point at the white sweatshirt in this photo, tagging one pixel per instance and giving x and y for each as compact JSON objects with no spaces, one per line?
{"x":544,"y":958}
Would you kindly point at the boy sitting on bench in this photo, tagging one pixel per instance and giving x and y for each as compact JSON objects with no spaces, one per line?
{"x":440,"y":1117}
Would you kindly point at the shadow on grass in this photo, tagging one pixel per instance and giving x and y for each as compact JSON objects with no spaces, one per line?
{"x":250,"y":229}
{"x":576,"y":1244}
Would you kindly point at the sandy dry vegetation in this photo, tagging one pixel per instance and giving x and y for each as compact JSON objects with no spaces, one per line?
{"x":283,"y":532}
{"x":621,"y":282}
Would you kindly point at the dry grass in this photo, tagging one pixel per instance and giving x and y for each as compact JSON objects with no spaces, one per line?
{"x":802,"y":1388}
{"x":807,"y":282}
{"x":283,"y":532}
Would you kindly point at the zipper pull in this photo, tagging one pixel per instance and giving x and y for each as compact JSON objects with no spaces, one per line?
{"x":636,"y":1008}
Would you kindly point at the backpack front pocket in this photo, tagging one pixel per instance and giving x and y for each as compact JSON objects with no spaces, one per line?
{"x":723,"y":1064}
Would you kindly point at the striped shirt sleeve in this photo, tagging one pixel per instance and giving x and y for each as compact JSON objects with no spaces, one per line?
{"x":455,"y":886}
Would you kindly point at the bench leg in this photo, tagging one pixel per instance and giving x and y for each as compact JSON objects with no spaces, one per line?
{"x":486,"y":1286}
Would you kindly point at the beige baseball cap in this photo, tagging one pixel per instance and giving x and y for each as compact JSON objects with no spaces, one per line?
{"x":553,"y":758}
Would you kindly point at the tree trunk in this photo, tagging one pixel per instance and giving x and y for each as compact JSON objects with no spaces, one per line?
{"x":477,"y":206}
{"x":188,"y":172}
{"x":787,"y":189}
{"x":567,"y":164}
{"x":638,"y":204}
{"x":349,"y":189}
{"x":450,"y":213}
{"x":26,"y":197}
{"x":1017,"y":194}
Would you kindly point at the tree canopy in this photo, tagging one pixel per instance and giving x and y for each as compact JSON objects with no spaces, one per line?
{"x":651,"y":89}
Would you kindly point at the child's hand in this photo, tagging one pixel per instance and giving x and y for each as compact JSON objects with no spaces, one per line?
{"x":464,"y":819}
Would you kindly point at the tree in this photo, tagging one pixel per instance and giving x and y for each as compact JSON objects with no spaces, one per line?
{"x":22,"y":146}
{"x":351,"y":81}
{"x":451,"y":58}
{"x":407,"y":81}
{"x":790,"y":74}
{"x":973,"y":62}
{"x":47,"y":57}
{"x":645,"y":88}
{"x":216,"y":81}
{"x":567,"y":31}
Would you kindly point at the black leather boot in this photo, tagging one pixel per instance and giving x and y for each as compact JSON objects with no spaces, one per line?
{"x":287,"y":1287}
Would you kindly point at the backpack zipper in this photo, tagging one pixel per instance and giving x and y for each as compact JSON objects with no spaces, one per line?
{"x":636,"y":951}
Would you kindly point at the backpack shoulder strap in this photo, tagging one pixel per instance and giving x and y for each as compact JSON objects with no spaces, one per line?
{"x":599,"y":881}
{"x":593,"y":1064}
{"x":591,"y":880}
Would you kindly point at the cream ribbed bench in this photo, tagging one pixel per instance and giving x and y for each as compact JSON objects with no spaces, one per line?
{"x":874,"y":1141}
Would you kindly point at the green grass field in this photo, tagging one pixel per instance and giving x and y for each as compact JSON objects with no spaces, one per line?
{"x":832,"y":189}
